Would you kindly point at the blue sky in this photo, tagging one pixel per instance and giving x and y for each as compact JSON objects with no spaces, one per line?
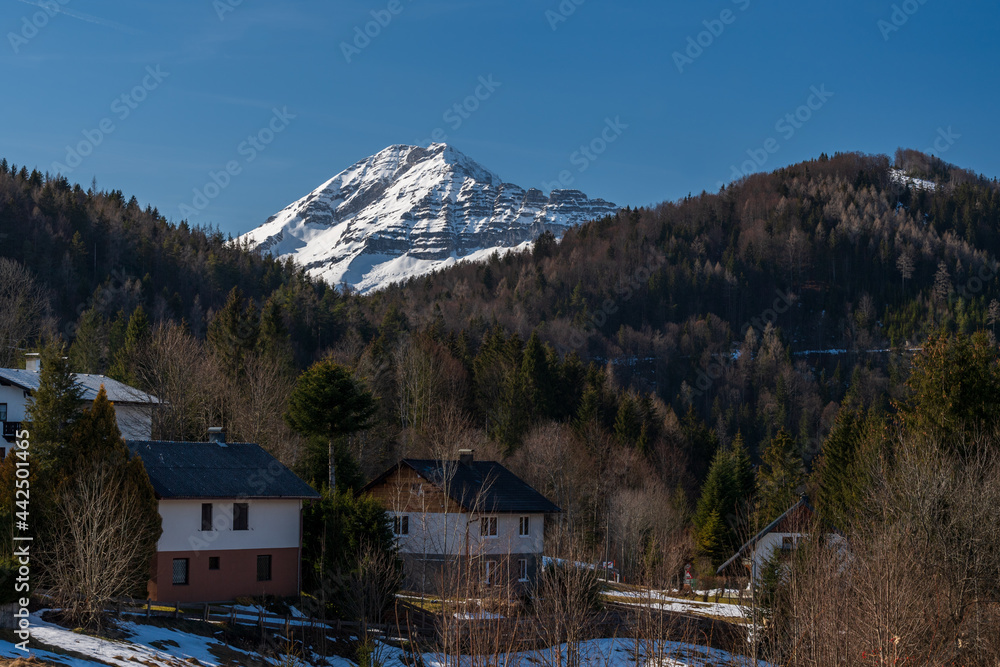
{"x":200,"y":77}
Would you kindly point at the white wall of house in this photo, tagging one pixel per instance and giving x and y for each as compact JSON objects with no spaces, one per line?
{"x":273,"y":524}
{"x":135,"y":421}
{"x":769,"y":543}
{"x":16,"y":402}
{"x":458,"y":534}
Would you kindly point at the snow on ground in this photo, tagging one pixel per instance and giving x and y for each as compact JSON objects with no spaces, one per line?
{"x":899,"y":176}
{"x":598,"y":653}
{"x":147,"y":645}
{"x":163,"y":647}
{"x":662,"y":600}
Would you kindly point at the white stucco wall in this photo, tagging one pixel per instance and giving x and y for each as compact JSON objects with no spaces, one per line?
{"x":766,"y":545}
{"x":458,"y":534}
{"x":273,"y":524}
{"x":134,"y":421}
{"x":16,"y":401}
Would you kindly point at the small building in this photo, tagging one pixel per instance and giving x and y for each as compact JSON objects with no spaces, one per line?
{"x":464,"y":521}
{"x":133,"y":408}
{"x":232,"y":520}
{"x":783,"y":535}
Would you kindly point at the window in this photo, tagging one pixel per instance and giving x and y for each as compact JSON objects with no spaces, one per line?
{"x":488,"y":526}
{"x":3,"y":453}
{"x":241,"y":520}
{"x":416,"y":489}
{"x":522,"y":569}
{"x":264,"y":568}
{"x":401,"y":525}
{"x":213,"y":562}
{"x":206,"y":516}
{"x":3,"y":412}
{"x":489,"y":572}
{"x":523,"y":526}
{"x":180,"y":572}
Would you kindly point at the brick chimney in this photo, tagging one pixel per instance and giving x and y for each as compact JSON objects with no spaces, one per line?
{"x":465,"y":457}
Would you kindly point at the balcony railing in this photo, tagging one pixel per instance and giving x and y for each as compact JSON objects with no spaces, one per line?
{"x":10,"y":430}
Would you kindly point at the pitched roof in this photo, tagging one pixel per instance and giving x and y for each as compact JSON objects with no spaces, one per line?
{"x":802,"y":505}
{"x":480,"y":486}
{"x":211,"y":470}
{"x":118,"y":392}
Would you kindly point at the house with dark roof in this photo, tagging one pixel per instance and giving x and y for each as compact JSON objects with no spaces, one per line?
{"x":464,"y":518}
{"x":782,"y":536}
{"x":232,"y":520}
{"x":133,"y":408}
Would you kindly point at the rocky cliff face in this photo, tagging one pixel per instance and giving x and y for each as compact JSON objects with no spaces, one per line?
{"x":409,"y":210}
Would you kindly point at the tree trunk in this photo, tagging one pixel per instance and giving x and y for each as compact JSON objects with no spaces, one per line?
{"x":331,"y":466}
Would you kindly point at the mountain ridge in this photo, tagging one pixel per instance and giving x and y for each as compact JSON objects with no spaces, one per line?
{"x":407,"y":211}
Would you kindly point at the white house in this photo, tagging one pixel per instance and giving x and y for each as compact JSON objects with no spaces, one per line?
{"x":452,"y":518}
{"x":783,"y":535}
{"x":133,"y":408}
{"x":232,"y":520}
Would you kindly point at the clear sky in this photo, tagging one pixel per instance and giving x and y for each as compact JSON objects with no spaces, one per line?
{"x":201,"y":77}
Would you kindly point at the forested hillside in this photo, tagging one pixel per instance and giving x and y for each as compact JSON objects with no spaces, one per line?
{"x":640,"y":347}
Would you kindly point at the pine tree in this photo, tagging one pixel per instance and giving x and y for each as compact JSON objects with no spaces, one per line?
{"x":96,"y":451}
{"x":54,"y":407}
{"x":233,"y":332}
{"x":627,"y":426}
{"x":89,"y":351}
{"x":137,"y":335}
{"x":328,"y":403}
{"x":713,"y":539}
{"x":779,"y":478}
{"x":273,"y":339}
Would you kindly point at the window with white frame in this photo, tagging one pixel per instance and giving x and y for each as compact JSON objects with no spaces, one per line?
{"x":488,"y":526}
{"x":522,"y":569}
{"x":524,"y":526}
{"x":401,"y":525}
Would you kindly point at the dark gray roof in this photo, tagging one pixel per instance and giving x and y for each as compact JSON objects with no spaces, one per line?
{"x":118,"y":392}
{"x":209,"y":470}
{"x":480,"y":486}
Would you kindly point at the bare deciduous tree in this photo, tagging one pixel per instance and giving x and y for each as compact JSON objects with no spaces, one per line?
{"x":100,"y":546}
{"x":23,"y":305}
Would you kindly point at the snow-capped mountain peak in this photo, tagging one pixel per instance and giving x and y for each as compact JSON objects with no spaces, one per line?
{"x":408,"y":210}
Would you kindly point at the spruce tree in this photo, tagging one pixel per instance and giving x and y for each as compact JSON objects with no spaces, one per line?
{"x":53,"y":407}
{"x":89,"y":351}
{"x":779,"y":478}
{"x":137,"y":335}
{"x":233,"y":332}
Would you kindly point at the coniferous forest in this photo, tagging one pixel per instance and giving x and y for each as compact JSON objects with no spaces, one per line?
{"x":671,"y":377}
